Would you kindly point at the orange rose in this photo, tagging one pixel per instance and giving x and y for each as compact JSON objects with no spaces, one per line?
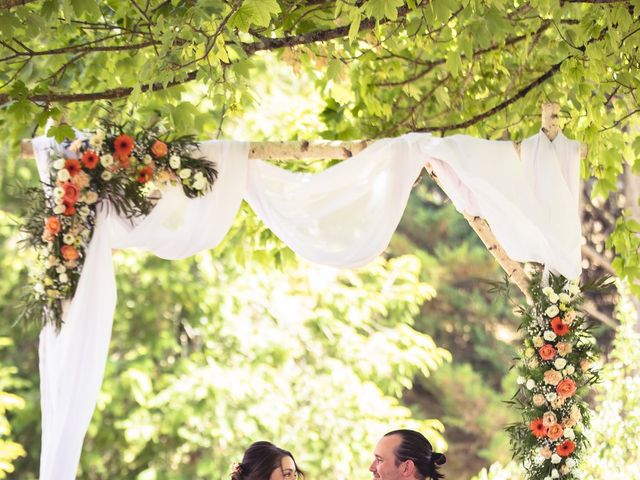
{"x":555,"y":431}
{"x":52,"y":225}
{"x":159,"y":149}
{"x":547,"y":352}
{"x":552,"y":377}
{"x":566,"y":388}
{"x":71,"y":193}
{"x":564,"y":348}
{"x":69,"y":252}
{"x":69,"y":210}
{"x":81,"y":180}
{"x":545,"y":452}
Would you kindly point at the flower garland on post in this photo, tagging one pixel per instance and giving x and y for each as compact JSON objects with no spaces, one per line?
{"x":110,"y":166}
{"x":555,"y":369}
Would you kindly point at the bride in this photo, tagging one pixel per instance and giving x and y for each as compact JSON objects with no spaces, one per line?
{"x":264,"y":461}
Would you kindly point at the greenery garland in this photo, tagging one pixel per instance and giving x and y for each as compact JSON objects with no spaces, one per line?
{"x":109,"y":165}
{"x":556,"y":369}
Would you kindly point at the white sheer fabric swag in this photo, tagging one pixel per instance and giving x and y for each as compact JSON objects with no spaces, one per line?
{"x":343,"y":217}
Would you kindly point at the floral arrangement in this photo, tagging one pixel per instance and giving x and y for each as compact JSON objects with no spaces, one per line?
{"x":555,"y":368}
{"x":109,"y":166}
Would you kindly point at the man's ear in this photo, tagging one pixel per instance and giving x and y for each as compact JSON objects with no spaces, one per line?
{"x":409,"y":469}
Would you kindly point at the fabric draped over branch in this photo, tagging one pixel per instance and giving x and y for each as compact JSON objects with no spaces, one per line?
{"x":342,"y":217}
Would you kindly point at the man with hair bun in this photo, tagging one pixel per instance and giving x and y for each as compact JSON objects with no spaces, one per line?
{"x":406,"y":455}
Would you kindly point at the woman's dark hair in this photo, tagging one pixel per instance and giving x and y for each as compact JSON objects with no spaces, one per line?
{"x":259,"y":461}
{"x":414,"y":446}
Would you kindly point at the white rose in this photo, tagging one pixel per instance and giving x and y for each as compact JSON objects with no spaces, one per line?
{"x":531,"y":384}
{"x":568,"y":433}
{"x":58,"y":209}
{"x":106,"y":175}
{"x":58,"y":164}
{"x":552,"y":311}
{"x":85,"y":211}
{"x":560,"y":363}
{"x":570,"y":370}
{"x":174,"y":162}
{"x":554,"y":472}
{"x":549,"y":335}
{"x":63,"y":175}
{"x":200,"y":184}
{"x":68,"y":239}
{"x":63,"y":278}
{"x":106,"y":160}
{"x":553,"y":298}
{"x":61,"y":269}
{"x":185,"y":173}
{"x":58,"y":193}
{"x":95,"y":141}
{"x":538,"y":341}
{"x":551,"y":396}
{"x":555,"y":458}
{"x":573,"y":289}
{"x":91,"y":197}
{"x":521,"y":380}
{"x":564,"y":298}
{"x":547,"y":291}
{"x":147,"y":159}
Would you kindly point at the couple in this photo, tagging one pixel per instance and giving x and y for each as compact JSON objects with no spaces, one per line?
{"x":399,"y":455}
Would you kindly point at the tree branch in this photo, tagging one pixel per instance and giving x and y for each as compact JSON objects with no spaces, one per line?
{"x":112,"y":94}
{"x":249,"y":48}
{"x":431,"y":65}
{"x":501,"y":106}
{"x":316,"y":36}
{"x":7,"y":4}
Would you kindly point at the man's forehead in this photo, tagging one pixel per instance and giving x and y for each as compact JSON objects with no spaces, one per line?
{"x":387,"y":445}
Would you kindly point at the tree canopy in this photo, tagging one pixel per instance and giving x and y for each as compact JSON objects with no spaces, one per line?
{"x":382,"y":68}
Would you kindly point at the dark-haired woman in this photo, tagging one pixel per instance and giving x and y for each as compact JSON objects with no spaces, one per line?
{"x":265,"y":461}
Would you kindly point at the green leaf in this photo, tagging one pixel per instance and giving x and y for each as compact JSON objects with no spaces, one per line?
{"x":380,"y":9}
{"x":62,"y":132}
{"x":254,"y":12}
{"x":90,"y":7}
{"x":8,"y":23}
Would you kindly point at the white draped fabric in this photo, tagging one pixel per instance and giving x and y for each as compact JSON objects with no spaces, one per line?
{"x":342,"y":217}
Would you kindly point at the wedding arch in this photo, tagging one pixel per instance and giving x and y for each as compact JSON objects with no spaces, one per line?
{"x":521,"y":199}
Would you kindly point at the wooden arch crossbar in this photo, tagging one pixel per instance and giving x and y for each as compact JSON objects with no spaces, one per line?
{"x":319,"y":150}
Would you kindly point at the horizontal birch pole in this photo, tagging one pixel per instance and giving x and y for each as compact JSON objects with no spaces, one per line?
{"x":301,"y":150}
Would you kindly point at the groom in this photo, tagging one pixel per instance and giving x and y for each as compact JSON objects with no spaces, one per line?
{"x":405,"y":455}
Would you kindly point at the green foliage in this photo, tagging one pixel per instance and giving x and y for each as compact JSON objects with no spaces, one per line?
{"x":9,"y":450}
{"x":615,"y":451}
{"x":383,"y":67}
